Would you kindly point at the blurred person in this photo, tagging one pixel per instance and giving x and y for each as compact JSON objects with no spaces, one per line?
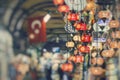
{"x":6,"y":52}
{"x":44,"y":70}
{"x":23,"y":67}
{"x":60,"y":72}
{"x":33,"y":66}
{"x":41,"y":66}
{"x":38,"y":67}
{"x":55,"y":74}
{"x":21,"y":64}
{"x":57,"y":59}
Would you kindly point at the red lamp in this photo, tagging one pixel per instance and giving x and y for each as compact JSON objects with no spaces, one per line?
{"x":63,"y":8}
{"x":71,"y":58}
{"x":73,"y":17}
{"x":58,"y":2}
{"x":81,"y":26}
{"x":67,"y":67}
{"x":79,"y":59}
{"x":86,"y":38}
{"x":84,"y":49}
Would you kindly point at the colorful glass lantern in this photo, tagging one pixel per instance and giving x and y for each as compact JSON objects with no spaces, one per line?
{"x":72,"y":58}
{"x":86,"y":38}
{"x":69,"y":28}
{"x":73,"y":16}
{"x":97,"y":60}
{"x":58,"y":2}
{"x":104,"y":14}
{"x":84,"y":49}
{"x":67,"y":67}
{"x":80,"y":26}
{"x":113,"y":44}
{"x":90,"y":6}
{"x":79,"y":59}
{"x":63,"y":8}
{"x":108,"y":53}
{"x":97,"y":71}
{"x":114,"y":24}
{"x":76,"y":37}
{"x":116,"y":34}
{"x":70,"y":44}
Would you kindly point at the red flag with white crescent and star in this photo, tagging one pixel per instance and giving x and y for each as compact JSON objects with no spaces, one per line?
{"x":36,"y":30}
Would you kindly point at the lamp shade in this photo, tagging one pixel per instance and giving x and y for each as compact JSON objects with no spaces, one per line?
{"x":76,"y":37}
{"x":72,"y":58}
{"x":67,"y":67}
{"x":70,"y":44}
{"x":97,"y":71}
{"x":81,"y":26}
{"x":73,"y":17}
{"x":58,"y":2}
{"x":108,"y":53}
{"x":76,"y":5}
{"x":63,"y":8}
{"x":113,"y":44}
{"x":86,"y":38}
{"x":104,"y":14}
{"x":97,"y":60}
{"x":90,"y":6}
{"x":79,"y":59}
{"x":115,"y":34}
{"x":84,"y":49}
{"x":114,"y":24}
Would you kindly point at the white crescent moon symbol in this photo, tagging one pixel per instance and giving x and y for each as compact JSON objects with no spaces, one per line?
{"x":36,"y":22}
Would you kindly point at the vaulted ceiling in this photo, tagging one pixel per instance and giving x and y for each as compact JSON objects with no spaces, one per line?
{"x":41,"y":8}
{"x":19,"y":10}
{"x":32,"y":8}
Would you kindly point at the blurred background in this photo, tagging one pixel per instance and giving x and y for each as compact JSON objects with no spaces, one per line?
{"x":34,"y":37}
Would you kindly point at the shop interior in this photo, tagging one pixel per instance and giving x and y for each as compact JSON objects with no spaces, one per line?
{"x":59,"y":39}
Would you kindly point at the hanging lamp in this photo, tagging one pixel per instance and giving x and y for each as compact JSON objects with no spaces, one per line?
{"x":63,"y":8}
{"x":58,"y":2}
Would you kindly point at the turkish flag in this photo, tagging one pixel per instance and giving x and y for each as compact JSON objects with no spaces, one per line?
{"x":36,"y":30}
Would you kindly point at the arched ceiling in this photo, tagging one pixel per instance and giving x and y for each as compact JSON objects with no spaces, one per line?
{"x":34,"y":8}
{"x":41,"y":8}
{"x":20,"y":10}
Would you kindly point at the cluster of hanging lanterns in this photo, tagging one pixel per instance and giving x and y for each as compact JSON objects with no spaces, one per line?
{"x":75,"y":24}
{"x":82,"y":23}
